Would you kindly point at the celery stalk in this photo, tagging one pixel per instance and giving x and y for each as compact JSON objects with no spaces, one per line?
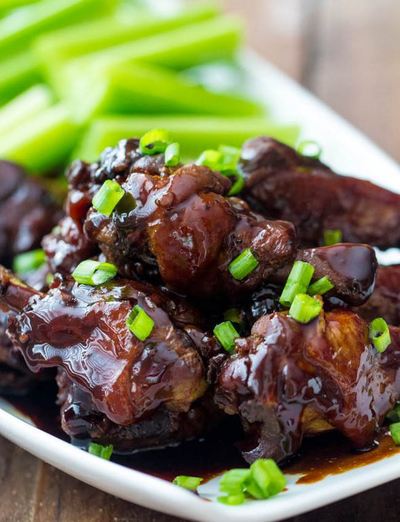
{"x":43,"y":142}
{"x":151,"y":90}
{"x":24,"y":106}
{"x":72,"y":42}
{"x":21,"y":25}
{"x":17,"y":74}
{"x":183,"y":47}
{"x":194,"y":134}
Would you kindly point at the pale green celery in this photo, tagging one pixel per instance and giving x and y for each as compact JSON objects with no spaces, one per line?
{"x":43,"y":142}
{"x":17,"y":74}
{"x":23,"y":24}
{"x":24,"y":106}
{"x":194,"y":133}
{"x":148,"y":89}
{"x":190,"y":45}
{"x":72,"y":42}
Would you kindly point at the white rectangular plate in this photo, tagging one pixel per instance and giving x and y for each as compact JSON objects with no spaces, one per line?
{"x":347,"y":151}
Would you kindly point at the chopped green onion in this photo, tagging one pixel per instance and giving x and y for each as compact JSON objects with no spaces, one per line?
{"x":309,"y":149}
{"x":93,"y":273}
{"x":238,"y":185}
{"x":379,"y":334}
{"x":234,"y":481}
{"x":332,"y":237}
{"x":233,"y":315}
{"x":187,"y":482}
{"x":263,"y":480}
{"x":29,"y":261}
{"x":297,"y":282}
{"x":395,"y":432}
{"x":103,"y":452}
{"x":232,"y":500}
{"x":321,"y":286}
{"x":305,"y":308}
{"x":140,"y":323}
{"x":107,"y":197}
{"x":268,"y":477}
{"x":210,"y":158}
{"x":226,"y":334}
{"x":394,"y":414}
{"x":49,"y":279}
{"x":154,"y":142}
{"x":172,"y":155}
{"x":243,"y":265}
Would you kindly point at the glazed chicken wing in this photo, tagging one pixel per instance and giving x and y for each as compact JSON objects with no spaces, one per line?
{"x":282,"y":184}
{"x":177,"y":226}
{"x":83,"y":330}
{"x":287,"y":380}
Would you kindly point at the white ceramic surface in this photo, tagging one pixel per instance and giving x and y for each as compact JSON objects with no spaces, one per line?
{"x":346,"y":150}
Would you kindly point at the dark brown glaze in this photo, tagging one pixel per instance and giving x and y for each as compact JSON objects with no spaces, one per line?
{"x":385,"y":300}
{"x":184,"y":227}
{"x":332,"y":454}
{"x":27,"y":212}
{"x":282,"y":184}
{"x":350,"y":267}
{"x":178,"y":226}
{"x":15,"y":377}
{"x":161,"y":427}
{"x":82,"y":329}
{"x":287,"y":380}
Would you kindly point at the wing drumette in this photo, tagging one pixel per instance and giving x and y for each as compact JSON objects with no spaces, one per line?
{"x":282,"y":184}
{"x":287,"y":380}
{"x":83,"y":330}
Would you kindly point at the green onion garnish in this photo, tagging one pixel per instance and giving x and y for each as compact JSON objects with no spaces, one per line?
{"x":172,"y":155}
{"x":297,"y":282}
{"x":213,"y":159}
{"x":309,"y":149}
{"x":379,"y":334}
{"x":187,"y":482}
{"x":140,"y":323}
{"x":321,"y":286}
{"x":107,"y":197}
{"x":331,"y":237}
{"x":394,"y":414}
{"x":263,"y":480}
{"x":234,"y":481}
{"x":103,"y":452}
{"x":267,"y":476}
{"x":305,"y":308}
{"x":395,"y":432}
{"x":154,"y":142}
{"x":93,"y":273}
{"x":226,"y":334}
{"x":238,"y":185}
{"x":243,"y":265}
{"x":232,"y":500}
{"x":29,"y":261}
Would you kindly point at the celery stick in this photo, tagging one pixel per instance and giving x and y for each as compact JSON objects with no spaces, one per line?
{"x":43,"y":142}
{"x":21,"y":25}
{"x":17,"y":74}
{"x":21,"y":108}
{"x":89,"y":37}
{"x":195,"y":134}
{"x":151,"y":90}
{"x":181,"y":48}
